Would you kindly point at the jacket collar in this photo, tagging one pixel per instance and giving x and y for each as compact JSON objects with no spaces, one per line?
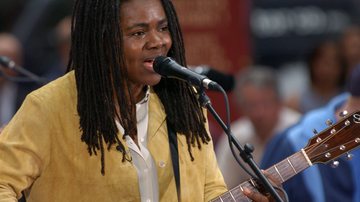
{"x":156,"y":117}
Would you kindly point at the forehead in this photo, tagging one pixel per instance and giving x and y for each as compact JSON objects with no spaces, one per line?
{"x":144,"y":10}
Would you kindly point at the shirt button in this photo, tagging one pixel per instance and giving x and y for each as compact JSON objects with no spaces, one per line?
{"x":162,"y":164}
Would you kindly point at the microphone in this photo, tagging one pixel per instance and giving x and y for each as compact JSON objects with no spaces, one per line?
{"x":168,"y":68}
{"x":7,"y":62}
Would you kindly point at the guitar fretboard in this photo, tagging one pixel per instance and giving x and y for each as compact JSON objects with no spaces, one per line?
{"x":281,"y":172}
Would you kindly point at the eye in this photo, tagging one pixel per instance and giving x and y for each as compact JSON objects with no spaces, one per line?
{"x":138,"y":33}
{"x":164,"y":28}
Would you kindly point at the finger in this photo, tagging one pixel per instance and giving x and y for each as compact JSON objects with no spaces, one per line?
{"x":272,"y":178}
{"x":255,"y":196}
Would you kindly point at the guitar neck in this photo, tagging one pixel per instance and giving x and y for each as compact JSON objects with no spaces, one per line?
{"x":323,"y":147}
{"x":281,"y":172}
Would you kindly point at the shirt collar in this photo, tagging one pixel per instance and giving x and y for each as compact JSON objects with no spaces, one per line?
{"x":146,"y":97}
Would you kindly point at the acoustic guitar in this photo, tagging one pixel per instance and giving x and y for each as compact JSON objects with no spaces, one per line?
{"x":324,"y":147}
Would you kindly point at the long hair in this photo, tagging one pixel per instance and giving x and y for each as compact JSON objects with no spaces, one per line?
{"x":97,"y":56}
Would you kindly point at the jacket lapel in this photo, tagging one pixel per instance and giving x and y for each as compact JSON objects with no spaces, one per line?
{"x":156,"y":117}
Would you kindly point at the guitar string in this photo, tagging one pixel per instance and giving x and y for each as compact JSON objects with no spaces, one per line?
{"x":321,"y":155}
{"x":328,"y":130}
{"x":283,"y":168}
{"x":311,"y":150}
{"x":328,"y":150}
{"x":342,"y":121}
{"x":245,"y":184}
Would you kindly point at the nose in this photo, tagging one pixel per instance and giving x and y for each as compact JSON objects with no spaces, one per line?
{"x":155,"y":40}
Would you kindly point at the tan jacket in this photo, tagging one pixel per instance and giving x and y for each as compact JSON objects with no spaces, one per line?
{"x":41,"y":153}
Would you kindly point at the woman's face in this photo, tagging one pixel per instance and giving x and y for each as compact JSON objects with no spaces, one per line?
{"x":146,"y":36}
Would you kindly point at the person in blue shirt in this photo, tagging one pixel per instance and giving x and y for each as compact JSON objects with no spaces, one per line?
{"x":321,"y":182}
{"x":355,"y":103}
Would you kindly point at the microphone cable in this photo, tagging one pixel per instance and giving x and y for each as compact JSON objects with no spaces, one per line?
{"x":228,"y":121}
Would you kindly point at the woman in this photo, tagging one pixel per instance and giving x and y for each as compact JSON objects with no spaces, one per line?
{"x":100,"y":133}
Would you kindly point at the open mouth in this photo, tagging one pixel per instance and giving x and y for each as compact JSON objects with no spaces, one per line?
{"x":149,"y":64}
{"x":149,"y":61}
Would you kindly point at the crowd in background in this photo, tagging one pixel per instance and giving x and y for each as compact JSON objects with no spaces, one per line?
{"x":266,"y":109}
{"x":333,"y":71}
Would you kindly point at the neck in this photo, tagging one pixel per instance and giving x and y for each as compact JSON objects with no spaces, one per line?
{"x":280,"y":172}
{"x":138,"y":92}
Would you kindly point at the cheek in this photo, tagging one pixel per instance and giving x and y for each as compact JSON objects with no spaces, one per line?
{"x":128,"y":51}
{"x":168,"y":42}
{"x":132,"y":48}
{"x":131,"y":55}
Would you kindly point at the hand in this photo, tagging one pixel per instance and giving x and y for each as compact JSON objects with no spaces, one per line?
{"x":255,"y":196}
{"x":266,"y":197}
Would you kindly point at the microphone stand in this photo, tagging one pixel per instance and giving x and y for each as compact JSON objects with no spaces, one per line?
{"x":244,"y":153}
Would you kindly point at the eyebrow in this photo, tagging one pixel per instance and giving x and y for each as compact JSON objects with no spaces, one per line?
{"x":145,"y":24}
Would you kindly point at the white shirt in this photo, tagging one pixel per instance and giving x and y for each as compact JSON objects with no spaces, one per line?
{"x":141,"y":157}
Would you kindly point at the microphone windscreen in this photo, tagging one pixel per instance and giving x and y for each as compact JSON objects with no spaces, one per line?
{"x":158,"y":63}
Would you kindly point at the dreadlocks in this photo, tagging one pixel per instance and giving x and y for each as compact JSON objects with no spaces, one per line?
{"x":103,"y":88}
{"x":175,"y":93}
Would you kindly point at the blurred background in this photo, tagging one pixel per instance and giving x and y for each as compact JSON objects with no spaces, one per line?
{"x":225,"y":35}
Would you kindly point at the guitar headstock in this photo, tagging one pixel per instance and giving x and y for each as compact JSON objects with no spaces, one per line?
{"x":336,"y":140}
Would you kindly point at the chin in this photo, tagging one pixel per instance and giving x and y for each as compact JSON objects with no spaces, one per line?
{"x":153,"y":81}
